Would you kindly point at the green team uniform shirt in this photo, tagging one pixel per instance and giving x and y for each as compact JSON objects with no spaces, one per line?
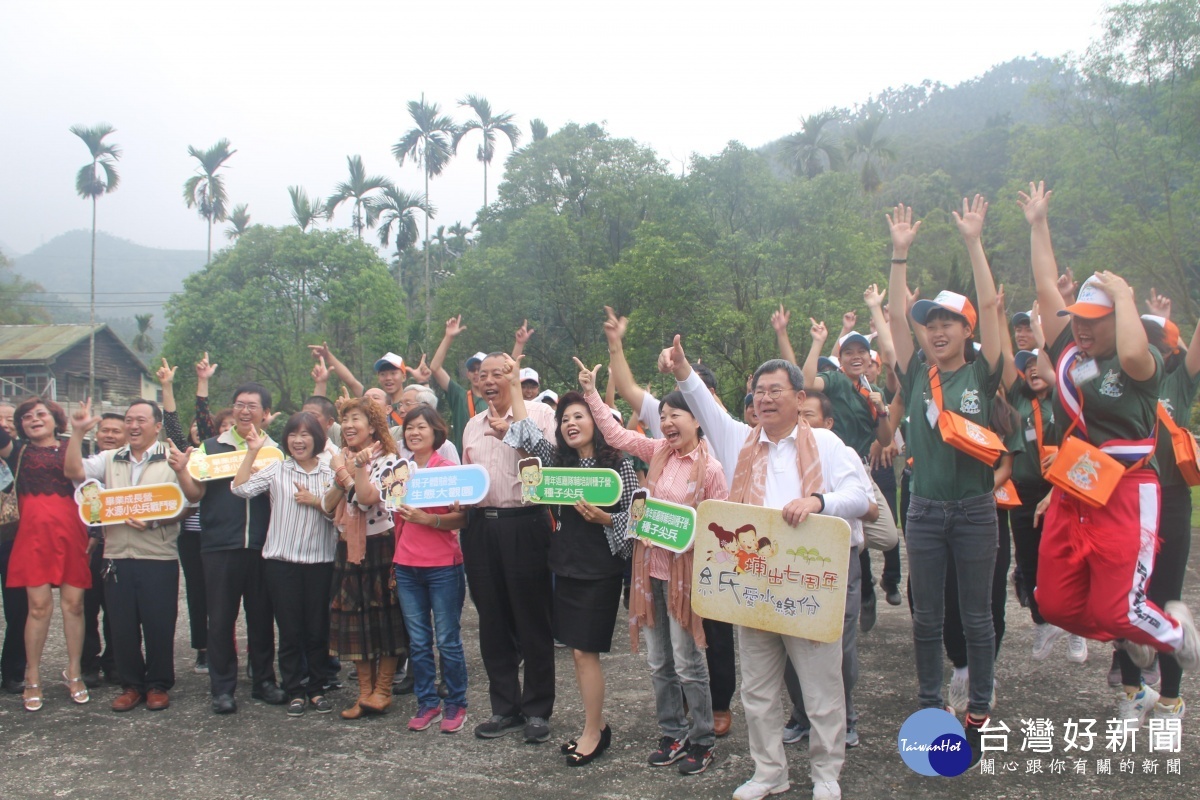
{"x":1027,"y":466}
{"x":940,"y":472}
{"x":1176,"y":393}
{"x":851,"y":416}
{"x":460,"y":411}
{"x":1115,"y":406}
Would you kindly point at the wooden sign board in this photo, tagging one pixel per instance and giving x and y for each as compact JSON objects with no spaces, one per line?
{"x":752,"y":568}
{"x":154,"y":501}
{"x":221,"y":466}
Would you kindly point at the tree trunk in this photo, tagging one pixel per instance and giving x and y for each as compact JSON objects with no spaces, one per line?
{"x":210,"y":220}
{"x":428,"y":304}
{"x":92,"y":315}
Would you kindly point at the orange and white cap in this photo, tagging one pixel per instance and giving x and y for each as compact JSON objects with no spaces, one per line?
{"x":1092,"y":302}
{"x":953,"y":302}
{"x":1170,"y":331}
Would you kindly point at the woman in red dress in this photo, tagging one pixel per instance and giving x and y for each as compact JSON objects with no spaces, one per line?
{"x":51,"y":545}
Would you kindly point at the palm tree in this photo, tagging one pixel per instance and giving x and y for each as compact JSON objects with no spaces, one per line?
{"x":205,"y":190}
{"x":538,"y":130}
{"x":240,"y":217}
{"x":358,"y":187}
{"x":397,"y":208}
{"x":866,"y":143}
{"x":143,"y":342}
{"x":813,"y":150}
{"x":306,"y":212}
{"x":489,"y":125}
{"x":460,"y":232}
{"x":430,"y":143}
{"x":90,"y":185}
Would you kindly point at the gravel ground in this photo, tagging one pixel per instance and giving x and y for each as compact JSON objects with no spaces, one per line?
{"x":187,"y":752}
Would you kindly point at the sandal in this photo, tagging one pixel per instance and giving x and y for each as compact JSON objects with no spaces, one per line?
{"x":80,"y":696}
{"x":33,"y":703}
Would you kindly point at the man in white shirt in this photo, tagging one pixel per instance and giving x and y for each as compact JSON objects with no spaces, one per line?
{"x":778,"y":393}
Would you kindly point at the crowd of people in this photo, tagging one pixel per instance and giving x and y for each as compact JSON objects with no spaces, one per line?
{"x":1071,"y":448}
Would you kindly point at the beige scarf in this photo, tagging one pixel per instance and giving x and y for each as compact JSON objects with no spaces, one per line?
{"x":750,"y":476}
{"x":351,"y":523}
{"x":679,"y":584}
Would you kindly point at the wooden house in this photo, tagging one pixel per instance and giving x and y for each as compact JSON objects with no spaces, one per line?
{"x":52,"y":361}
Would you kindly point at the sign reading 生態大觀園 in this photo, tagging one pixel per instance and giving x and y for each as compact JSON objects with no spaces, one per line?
{"x":752,"y":568}
{"x":402,"y":483}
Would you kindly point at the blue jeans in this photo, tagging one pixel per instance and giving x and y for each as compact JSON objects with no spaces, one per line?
{"x":936,"y":531}
{"x":436,"y":592}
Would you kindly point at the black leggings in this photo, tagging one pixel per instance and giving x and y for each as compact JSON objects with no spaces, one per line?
{"x":1166,"y":582}
{"x":1026,"y":539}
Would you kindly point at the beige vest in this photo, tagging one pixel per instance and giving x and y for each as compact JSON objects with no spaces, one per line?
{"x":122,"y":541}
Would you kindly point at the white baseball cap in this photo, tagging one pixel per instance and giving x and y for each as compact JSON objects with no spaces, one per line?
{"x":528,"y":374}
{"x":389,"y":361}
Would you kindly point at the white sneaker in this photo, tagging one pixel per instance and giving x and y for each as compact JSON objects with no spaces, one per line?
{"x":960,"y":691}
{"x":753,"y":790}
{"x":1167,"y":712}
{"x":1077,"y":649}
{"x":827,"y":790}
{"x":1137,"y":707}
{"x":1188,"y":654}
{"x":1044,"y":638}
{"x":1141,"y":654}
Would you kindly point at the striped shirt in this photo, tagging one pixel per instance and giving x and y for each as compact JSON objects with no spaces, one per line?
{"x":297,"y":533}
{"x":499,"y":459}
{"x":674,"y":485}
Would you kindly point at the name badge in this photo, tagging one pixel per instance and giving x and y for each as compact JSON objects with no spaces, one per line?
{"x":932,"y":413}
{"x":1085,"y":371}
{"x":1030,"y":435}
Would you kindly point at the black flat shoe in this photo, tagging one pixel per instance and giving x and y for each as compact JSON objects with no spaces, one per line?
{"x":568,"y":747}
{"x":577,"y":759}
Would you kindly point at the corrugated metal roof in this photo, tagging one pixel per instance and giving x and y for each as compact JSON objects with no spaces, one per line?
{"x":40,"y":342}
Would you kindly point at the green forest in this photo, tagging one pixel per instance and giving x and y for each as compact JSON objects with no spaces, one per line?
{"x":583,"y":219}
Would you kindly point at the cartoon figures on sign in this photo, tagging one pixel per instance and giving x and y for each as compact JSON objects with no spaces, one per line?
{"x":89,"y":491}
{"x":743,"y":548}
{"x":202,"y":467}
{"x":530,"y":472}
{"x":727,"y":540}
{"x":393,"y":481}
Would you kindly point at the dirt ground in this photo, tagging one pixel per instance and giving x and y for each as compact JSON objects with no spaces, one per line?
{"x":188,"y":752}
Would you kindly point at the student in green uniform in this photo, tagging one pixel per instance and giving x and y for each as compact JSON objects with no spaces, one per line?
{"x":952,"y":512}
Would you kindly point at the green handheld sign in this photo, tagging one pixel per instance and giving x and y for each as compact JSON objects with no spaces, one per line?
{"x":564,"y":486}
{"x":662,"y":524}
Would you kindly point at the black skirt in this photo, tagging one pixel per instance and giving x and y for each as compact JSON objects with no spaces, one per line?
{"x":585,"y":612}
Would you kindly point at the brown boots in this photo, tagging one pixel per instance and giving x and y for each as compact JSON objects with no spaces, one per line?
{"x":379,"y":700}
{"x":366,"y":684}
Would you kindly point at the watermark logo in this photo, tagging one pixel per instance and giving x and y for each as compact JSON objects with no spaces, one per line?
{"x":932,"y":742}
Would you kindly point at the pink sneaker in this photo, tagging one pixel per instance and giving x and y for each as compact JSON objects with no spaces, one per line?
{"x":424,"y":718}
{"x":455,"y":718}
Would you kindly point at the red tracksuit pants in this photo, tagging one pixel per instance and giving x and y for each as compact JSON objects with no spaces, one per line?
{"x":1094,"y":565}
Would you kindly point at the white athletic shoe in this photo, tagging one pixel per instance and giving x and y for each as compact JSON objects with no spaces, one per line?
{"x":1141,"y":654}
{"x":754,"y":790}
{"x":960,"y":691}
{"x":1137,"y":707}
{"x":1167,"y":712}
{"x":1188,"y":654}
{"x":827,"y":790}
{"x":1077,"y":649}
{"x":1044,"y":638}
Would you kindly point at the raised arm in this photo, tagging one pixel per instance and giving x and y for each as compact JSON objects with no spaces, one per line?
{"x":970,"y":225}
{"x":1036,"y":206}
{"x":779,"y":321}
{"x":819,"y":334}
{"x":903,"y":232}
{"x":883,"y":341}
{"x":82,"y":421}
{"x":849,"y":320}
{"x":255,"y":440}
{"x":522,"y":336}
{"x":320,"y":376}
{"x":619,"y":372}
{"x":353,"y":384}
{"x":1133,"y":348}
{"x":1191,"y":361}
{"x":724,"y":433}
{"x":172,"y":428}
{"x":1007,"y":361}
{"x":612,"y":431}
{"x":454,"y":327}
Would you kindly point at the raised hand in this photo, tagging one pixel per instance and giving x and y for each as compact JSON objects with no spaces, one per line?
{"x":320,"y":372}
{"x":82,"y":419}
{"x":178,"y":459}
{"x":512,"y":369}
{"x":818,"y":331}
{"x":873,"y":297}
{"x":970,"y":222}
{"x":1113,"y":285}
{"x":497,"y":425}
{"x":1159,"y":304}
{"x":304,"y":497}
{"x":166,"y":373}
{"x":524,"y":332}
{"x":849,"y":320}
{"x":1036,"y":204}
{"x":1000,"y":304}
{"x":779,"y":320}
{"x":614,"y":326}
{"x":205,"y":370}
{"x":903,"y":229}
{"x":320,"y":352}
{"x":255,"y":440}
{"x":1035,"y":325}
{"x":423,"y":373}
{"x":1067,"y":286}
{"x":454,"y":326}
{"x":587,"y":377}
{"x":913,"y":296}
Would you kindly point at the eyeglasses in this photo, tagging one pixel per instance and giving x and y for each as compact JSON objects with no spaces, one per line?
{"x":246,"y":407}
{"x":774,"y":394}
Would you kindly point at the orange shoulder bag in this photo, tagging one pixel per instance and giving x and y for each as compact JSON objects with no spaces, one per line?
{"x":961,"y":433}
{"x":1187,"y":455}
{"x":1086,"y":472}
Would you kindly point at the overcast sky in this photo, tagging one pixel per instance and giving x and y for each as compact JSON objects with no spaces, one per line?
{"x":297,"y":86}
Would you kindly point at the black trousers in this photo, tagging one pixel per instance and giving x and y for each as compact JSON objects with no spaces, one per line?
{"x":508,"y":575}
{"x":143,"y":602}
{"x":885,"y":479}
{"x":952,"y":630}
{"x":16,"y":611}
{"x":231,"y":576}
{"x":1027,"y":538}
{"x":722,"y":672}
{"x":300,"y":597}
{"x":94,"y":659}
{"x":194,"y":587}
